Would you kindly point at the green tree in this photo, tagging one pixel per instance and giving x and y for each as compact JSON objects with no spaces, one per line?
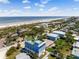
{"x":60,"y":43}
{"x":11,"y":51}
{"x":71,"y":57}
{"x":69,"y":38}
{"x":18,"y":46}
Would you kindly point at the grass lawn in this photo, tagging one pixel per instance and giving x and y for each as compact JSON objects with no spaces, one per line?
{"x":13,"y":56}
{"x":49,"y":49}
{"x":50,"y":57}
{"x":65,"y":51}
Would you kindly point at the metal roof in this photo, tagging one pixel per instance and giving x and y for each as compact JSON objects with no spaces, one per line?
{"x":38,"y":42}
{"x":76,"y":44}
{"x":52,"y":35}
{"x":59,"y":32}
{"x":33,"y":42}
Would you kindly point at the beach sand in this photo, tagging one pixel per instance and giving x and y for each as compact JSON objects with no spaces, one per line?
{"x":26,"y":22}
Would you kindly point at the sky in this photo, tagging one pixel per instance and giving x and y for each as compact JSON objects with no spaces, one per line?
{"x":39,"y":7}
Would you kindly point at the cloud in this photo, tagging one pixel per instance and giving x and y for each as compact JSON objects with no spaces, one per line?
{"x":76,"y":0}
{"x":41,"y":9}
{"x":44,"y":1}
{"x":53,"y":9}
{"x":17,"y":12}
{"x":27,"y":7}
{"x":39,"y":5}
{"x":25,"y":1}
{"x":4,"y":1}
{"x":13,"y":12}
{"x":75,"y":8}
{"x":36,"y":4}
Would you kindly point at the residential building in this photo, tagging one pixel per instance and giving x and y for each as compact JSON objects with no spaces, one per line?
{"x":75,"y":50}
{"x":77,"y":38}
{"x":52,"y":36}
{"x":35,"y":47}
{"x":60,"y":33}
{"x":76,"y":45}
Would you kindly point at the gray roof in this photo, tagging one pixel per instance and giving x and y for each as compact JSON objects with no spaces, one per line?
{"x":59,"y":32}
{"x":52,"y":35}
{"x":76,"y":44}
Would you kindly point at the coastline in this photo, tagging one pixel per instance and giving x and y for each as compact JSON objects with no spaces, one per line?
{"x":25,"y":22}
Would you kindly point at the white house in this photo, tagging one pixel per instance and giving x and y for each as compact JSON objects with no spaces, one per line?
{"x":60,"y":33}
{"x":76,"y":38}
{"x":75,"y":52}
{"x":76,"y":45}
{"x":52,"y":36}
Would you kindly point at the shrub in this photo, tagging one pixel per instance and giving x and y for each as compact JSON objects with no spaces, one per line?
{"x":11,"y":51}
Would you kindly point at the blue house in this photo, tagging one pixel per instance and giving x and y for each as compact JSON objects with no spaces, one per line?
{"x":35,"y":47}
{"x":52,"y":36}
{"x":60,"y":33}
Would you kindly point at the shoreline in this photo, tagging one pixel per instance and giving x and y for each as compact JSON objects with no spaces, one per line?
{"x":25,"y":22}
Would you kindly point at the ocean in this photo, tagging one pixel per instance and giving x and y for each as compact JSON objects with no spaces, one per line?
{"x":7,"y":20}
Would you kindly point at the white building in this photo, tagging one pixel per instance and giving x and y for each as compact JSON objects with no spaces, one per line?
{"x":52,"y":36}
{"x":60,"y":33}
{"x":75,"y":50}
{"x":76,"y":45}
{"x":76,"y":38}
